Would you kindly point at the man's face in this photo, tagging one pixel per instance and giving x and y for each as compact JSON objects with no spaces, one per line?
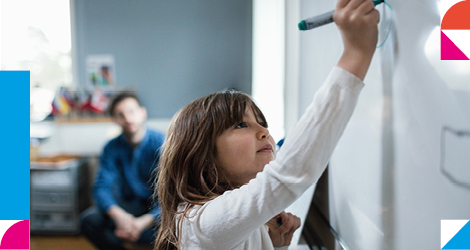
{"x":129,"y":115}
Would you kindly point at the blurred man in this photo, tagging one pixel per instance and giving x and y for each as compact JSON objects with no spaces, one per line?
{"x":122,"y":190}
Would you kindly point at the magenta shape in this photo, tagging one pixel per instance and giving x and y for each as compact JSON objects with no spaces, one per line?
{"x":449,"y":51}
{"x":17,"y":236}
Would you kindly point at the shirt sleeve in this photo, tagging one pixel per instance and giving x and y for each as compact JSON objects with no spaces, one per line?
{"x":155,"y":212}
{"x":231,"y":218}
{"x":158,"y":139}
{"x":105,"y":180}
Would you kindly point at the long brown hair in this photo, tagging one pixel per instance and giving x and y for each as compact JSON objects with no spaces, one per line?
{"x":188,"y":173}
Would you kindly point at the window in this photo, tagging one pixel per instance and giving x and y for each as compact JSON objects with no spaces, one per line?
{"x":35,"y":36}
{"x":268,"y":62}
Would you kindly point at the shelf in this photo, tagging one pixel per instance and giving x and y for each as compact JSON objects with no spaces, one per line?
{"x":82,"y":119}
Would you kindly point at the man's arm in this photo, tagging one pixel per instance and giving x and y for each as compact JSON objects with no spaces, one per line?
{"x":103,"y":193}
{"x":105,"y":179}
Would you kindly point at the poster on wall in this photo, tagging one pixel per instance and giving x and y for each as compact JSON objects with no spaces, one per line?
{"x":100,"y":71}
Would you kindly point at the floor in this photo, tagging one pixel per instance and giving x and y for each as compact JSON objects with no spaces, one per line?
{"x":59,"y":242}
{"x":52,"y":242}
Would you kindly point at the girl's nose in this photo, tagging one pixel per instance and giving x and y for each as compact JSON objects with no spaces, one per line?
{"x":262,"y":133}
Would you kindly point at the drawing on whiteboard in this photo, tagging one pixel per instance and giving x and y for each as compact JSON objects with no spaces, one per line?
{"x":455,"y":160}
{"x":385,"y":24}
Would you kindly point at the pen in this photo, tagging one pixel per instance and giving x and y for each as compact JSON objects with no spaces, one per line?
{"x":325,"y":18}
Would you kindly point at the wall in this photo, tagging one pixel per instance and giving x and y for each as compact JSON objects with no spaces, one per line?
{"x":171,"y":52}
{"x":388,"y":183}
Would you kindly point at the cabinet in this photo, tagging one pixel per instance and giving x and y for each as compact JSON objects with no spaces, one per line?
{"x":58,"y":195}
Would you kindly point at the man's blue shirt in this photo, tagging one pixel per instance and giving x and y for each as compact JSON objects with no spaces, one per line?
{"x":126,"y":173}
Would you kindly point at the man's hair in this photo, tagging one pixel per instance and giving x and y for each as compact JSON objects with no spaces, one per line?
{"x":119,"y":98}
{"x":188,"y":169}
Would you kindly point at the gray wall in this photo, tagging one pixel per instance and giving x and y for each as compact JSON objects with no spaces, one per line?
{"x":171,"y":52}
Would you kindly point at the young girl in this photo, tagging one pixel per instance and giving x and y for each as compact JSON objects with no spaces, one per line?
{"x":219,"y":185}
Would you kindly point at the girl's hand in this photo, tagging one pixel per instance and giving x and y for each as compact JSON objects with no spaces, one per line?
{"x":357,"y":21}
{"x":282,"y":235}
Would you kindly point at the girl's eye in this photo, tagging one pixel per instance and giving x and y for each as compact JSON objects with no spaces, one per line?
{"x":241,"y":125}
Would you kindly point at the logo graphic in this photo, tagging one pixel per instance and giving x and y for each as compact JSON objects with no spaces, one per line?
{"x":14,"y":234}
{"x":455,"y":234}
{"x":455,"y":32}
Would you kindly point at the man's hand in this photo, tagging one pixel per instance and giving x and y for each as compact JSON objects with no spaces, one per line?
{"x":281,"y":235}
{"x":141,"y":224}
{"x":125,"y":223}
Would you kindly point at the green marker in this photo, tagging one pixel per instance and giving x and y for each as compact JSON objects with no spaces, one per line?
{"x":322,"y":19}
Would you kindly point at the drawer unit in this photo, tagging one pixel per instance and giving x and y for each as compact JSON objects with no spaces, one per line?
{"x":53,"y":178}
{"x":54,"y":222}
{"x":57,"y":200}
{"x":58,"y":196}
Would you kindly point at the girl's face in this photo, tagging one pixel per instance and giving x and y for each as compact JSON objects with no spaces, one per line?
{"x":244,"y":149}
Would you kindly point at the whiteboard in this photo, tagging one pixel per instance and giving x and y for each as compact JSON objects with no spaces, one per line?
{"x":403,"y":163}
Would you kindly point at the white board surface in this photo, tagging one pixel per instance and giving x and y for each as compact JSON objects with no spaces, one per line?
{"x":403,"y":163}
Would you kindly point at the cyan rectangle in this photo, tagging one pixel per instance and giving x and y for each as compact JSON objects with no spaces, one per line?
{"x":14,"y":152}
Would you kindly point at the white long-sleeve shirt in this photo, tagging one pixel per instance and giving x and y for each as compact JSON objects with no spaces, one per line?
{"x":236,"y":219}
